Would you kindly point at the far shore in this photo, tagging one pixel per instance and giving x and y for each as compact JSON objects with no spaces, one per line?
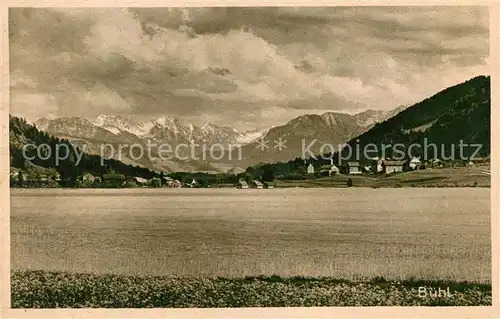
{"x":250,"y":189}
{"x":463,"y":177}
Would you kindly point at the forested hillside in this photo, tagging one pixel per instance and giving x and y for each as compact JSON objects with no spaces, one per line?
{"x":22,"y":133}
{"x":459,"y":113}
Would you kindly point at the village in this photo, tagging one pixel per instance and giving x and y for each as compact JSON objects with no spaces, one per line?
{"x":332,"y":175}
{"x":414,"y":172}
{"x":386,"y":166}
{"x":52,"y":179}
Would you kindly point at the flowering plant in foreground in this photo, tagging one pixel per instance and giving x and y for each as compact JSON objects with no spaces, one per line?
{"x":43,"y":289}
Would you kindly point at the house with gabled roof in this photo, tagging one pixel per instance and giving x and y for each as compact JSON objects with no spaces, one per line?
{"x":242,"y":184}
{"x":310,"y":169}
{"x":257,"y":184}
{"x":354,"y":168}
{"x":393,"y":166}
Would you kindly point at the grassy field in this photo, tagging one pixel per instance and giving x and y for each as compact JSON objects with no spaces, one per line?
{"x":41,"y":289}
{"x":442,"y":177}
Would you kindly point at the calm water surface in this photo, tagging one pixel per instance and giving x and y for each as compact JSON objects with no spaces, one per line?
{"x":407,"y":232}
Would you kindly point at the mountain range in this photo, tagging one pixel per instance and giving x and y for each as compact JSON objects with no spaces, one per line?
{"x":117,"y":128}
{"x":458,"y":114}
{"x":329,"y":128}
{"x":335,"y":128}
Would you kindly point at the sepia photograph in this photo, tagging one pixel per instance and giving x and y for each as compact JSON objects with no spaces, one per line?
{"x":249,"y":157}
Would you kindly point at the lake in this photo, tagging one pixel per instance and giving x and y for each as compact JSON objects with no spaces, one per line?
{"x":429,"y":233}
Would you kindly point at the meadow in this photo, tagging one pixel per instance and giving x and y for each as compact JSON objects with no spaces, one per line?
{"x":431,"y":177}
{"x":42,"y":289}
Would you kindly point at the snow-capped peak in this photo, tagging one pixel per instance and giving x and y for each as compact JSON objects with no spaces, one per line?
{"x":117,"y":124}
{"x":251,"y":136}
{"x":112,"y":120}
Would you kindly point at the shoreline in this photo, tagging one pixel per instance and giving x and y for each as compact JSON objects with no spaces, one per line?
{"x":464,"y":177}
{"x":270,"y":189}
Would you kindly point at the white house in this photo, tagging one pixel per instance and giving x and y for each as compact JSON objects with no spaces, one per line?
{"x":242,"y":184}
{"x":393,"y":166}
{"x":257,"y":184}
{"x":334,"y":170}
{"x":310,"y":169}
{"x":354,"y":168}
{"x":380,"y":165}
{"x":415,"y":163}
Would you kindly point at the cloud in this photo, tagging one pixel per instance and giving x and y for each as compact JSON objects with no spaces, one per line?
{"x":239,"y":65}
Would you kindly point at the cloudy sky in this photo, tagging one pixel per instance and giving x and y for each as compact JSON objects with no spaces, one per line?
{"x":245,"y":67}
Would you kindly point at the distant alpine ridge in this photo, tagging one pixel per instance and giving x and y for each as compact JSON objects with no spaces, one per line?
{"x":330,"y":127}
{"x":117,"y":129}
{"x":162,"y":129}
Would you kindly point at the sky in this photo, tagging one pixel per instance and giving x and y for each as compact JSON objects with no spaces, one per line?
{"x":249,"y":68}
